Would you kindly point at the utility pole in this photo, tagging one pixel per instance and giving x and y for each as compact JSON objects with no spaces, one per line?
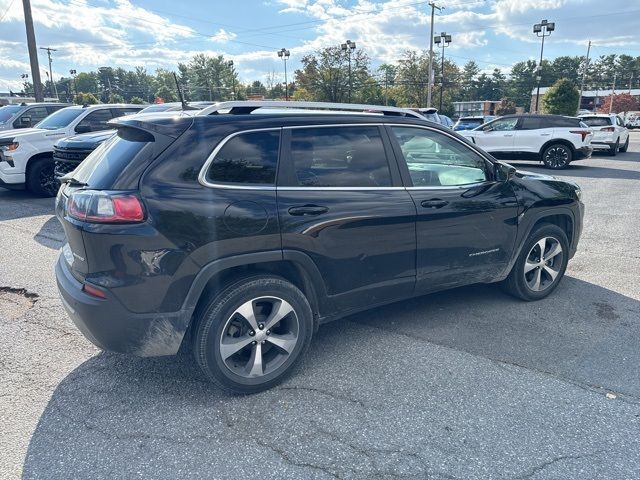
{"x":613,"y":93}
{"x":51,"y":84}
{"x":33,"y":51}
{"x":584,"y":74}
{"x":430,"y":73}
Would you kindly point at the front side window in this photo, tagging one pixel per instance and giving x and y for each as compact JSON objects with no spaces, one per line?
{"x":349,"y":156}
{"x":435,"y":159}
{"x":31,"y":117}
{"x":502,"y":125}
{"x":248,"y":158}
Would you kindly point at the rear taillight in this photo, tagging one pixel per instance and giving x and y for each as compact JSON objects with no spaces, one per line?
{"x":102,"y":207}
{"x":583,"y":133}
{"x":608,"y":129}
{"x":93,"y":291}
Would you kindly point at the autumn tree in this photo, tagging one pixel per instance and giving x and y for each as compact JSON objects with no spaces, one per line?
{"x":622,"y":102}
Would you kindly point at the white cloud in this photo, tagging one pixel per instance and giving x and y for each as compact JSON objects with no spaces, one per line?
{"x":222,"y":36}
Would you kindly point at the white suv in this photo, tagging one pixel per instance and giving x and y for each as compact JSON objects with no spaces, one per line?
{"x":609,"y":133}
{"x":26,"y":155}
{"x":553,"y":139}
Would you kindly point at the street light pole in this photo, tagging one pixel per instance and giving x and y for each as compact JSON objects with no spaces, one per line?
{"x":584,"y":74}
{"x":542,"y":29}
{"x":431,"y":37}
{"x":444,"y":40}
{"x":233,"y":78}
{"x":72,"y":72}
{"x":284,"y":54}
{"x":349,"y":47}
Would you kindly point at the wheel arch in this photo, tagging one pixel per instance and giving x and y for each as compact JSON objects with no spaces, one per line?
{"x":36,"y":157}
{"x":554,"y":141}
{"x":295,"y":267}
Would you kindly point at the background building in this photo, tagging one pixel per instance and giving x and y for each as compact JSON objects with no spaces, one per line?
{"x":475,"y":108}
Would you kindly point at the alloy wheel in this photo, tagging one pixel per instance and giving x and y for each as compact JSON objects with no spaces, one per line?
{"x":556,"y":157}
{"x":543,"y":264}
{"x":48,"y":181}
{"x":259,"y":336}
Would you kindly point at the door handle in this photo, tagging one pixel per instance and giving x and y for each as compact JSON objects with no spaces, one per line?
{"x":308,"y":210}
{"x":434,"y":203}
{"x":508,"y":134}
{"x":545,"y":134}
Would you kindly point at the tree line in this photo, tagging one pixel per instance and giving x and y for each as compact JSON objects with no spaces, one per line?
{"x":324,"y":76}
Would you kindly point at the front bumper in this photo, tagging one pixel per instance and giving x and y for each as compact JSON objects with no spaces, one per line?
{"x":110,"y":326}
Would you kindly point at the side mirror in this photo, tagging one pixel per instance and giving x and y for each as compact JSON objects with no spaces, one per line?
{"x":24,"y":122}
{"x":503,"y":171}
{"x":83,"y":129}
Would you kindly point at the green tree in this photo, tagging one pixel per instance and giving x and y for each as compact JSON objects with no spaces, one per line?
{"x":116,"y":98}
{"x":468,"y":81}
{"x":85,"y":99}
{"x":561,"y":98}
{"x":136,"y":100}
{"x":166,"y":94}
{"x":506,"y":107}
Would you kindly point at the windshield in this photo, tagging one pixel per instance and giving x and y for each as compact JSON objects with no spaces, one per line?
{"x":162,"y":107}
{"x":60,"y":119}
{"x":597,"y":121}
{"x":7,"y":112}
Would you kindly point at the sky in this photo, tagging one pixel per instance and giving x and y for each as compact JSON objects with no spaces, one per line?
{"x":88,"y":34}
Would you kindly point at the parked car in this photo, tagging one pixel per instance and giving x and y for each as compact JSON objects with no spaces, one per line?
{"x":632,"y":120}
{"x":553,"y":139}
{"x":26,"y":155}
{"x":174,"y":106}
{"x":609,"y":133}
{"x":446,"y":121}
{"x":238,"y":235}
{"x":469,"y":123}
{"x":26,"y":115}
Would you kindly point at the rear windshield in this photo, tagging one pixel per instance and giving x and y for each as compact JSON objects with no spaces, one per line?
{"x":597,"y":121}
{"x":107,"y":162}
{"x":60,"y":119}
{"x":7,"y":112}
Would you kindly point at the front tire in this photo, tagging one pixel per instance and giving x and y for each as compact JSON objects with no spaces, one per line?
{"x":557,"y":156}
{"x":540,"y":265}
{"x":41,"y":179}
{"x":250,"y":336}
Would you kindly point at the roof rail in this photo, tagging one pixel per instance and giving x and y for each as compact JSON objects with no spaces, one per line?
{"x":246,"y":107}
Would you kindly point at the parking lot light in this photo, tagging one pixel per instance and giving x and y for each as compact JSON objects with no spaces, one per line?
{"x":284,"y":54}
{"x":542,"y":29}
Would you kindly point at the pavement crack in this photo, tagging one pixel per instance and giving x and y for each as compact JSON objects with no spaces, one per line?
{"x":285,"y":456}
{"x":538,"y":468}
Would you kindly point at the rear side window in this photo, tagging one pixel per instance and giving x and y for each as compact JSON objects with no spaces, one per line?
{"x":248,"y":158}
{"x":107,"y":162}
{"x":560,"y":122}
{"x":531,"y":123}
{"x":339,"y":157}
{"x":597,"y":121}
{"x":96,"y":120}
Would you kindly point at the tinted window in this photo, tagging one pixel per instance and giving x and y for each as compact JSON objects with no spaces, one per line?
{"x":31,"y":117}
{"x":8,"y":111}
{"x":61,"y":118}
{"x":531,"y":123}
{"x":597,"y":121}
{"x":96,"y":120}
{"x":339,"y":157}
{"x":559,"y":122}
{"x":103,"y":166}
{"x":247,"y":158}
{"x":435,"y":159}
{"x":123,"y":112}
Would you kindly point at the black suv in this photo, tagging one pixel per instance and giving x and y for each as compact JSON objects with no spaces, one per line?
{"x":238,"y":234}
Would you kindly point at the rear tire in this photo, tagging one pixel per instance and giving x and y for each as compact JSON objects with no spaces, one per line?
{"x":41,"y":178}
{"x":251,"y":335}
{"x":557,"y":156}
{"x":613,"y":150}
{"x":625,"y":147}
{"x":540,"y":265}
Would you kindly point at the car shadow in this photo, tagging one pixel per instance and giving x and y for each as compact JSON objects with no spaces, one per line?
{"x":579,"y":170}
{"x":122,"y":417}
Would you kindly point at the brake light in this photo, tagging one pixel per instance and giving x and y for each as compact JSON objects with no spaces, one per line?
{"x":583,"y":133}
{"x":608,"y":129}
{"x":102,"y":207}
{"x":93,"y":291}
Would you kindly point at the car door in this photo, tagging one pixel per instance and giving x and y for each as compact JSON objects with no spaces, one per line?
{"x":466,"y":221}
{"x":497,"y":136}
{"x":341,"y":203}
{"x":30,"y":117}
{"x":622,"y":130}
{"x":531,"y":134}
{"x":95,"y":121}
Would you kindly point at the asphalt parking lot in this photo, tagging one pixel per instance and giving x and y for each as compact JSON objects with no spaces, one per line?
{"x":466,"y":384}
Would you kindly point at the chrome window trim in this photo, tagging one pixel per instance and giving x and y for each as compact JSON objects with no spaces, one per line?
{"x":202,"y":176}
{"x":203,"y":171}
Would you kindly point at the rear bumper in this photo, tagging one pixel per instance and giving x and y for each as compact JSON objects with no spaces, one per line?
{"x":110,"y":326}
{"x":602,"y":145}
{"x":583,"y":152}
